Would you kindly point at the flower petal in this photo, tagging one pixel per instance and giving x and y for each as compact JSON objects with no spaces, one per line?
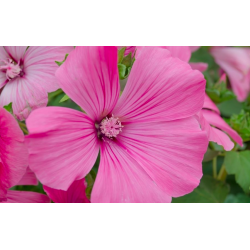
{"x":215,"y":134}
{"x":26,"y":197}
{"x":40,"y":66}
{"x":121,"y":179}
{"x":181,"y":52}
{"x":13,"y":152}
{"x":199,"y":66}
{"x":215,"y":120}
{"x":235,"y":62}
{"x":29,"y":178}
{"x":160,"y":88}
{"x":208,"y":104}
{"x":75,"y":193}
{"x":25,"y":96}
{"x":90,"y":78}
{"x":170,"y":152}
{"x":15,"y":52}
{"x":62,"y":145}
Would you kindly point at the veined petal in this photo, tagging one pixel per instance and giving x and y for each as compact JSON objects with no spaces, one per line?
{"x":26,"y":197}
{"x":90,"y":78}
{"x":75,"y":193}
{"x":13,"y":152}
{"x":170,"y":152}
{"x":29,"y":178}
{"x":215,"y":120}
{"x":181,"y":52}
{"x":15,"y":52}
{"x":40,"y":66}
{"x":121,"y":179}
{"x":160,"y":88}
{"x":62,"y":145}
{"x":25,"y":96}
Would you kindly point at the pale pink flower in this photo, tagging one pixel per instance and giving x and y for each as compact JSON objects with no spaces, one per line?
{"x":219,"y":131}
{"x":74,"y":194}
{"x":13,"y":161}
{"x":154,"y":151}
{"x":27,"y":75}
{"x":236,"y":63}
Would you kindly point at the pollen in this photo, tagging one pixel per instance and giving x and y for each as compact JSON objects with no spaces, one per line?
{"x":11,"y":69}
{"x":111,"y":127}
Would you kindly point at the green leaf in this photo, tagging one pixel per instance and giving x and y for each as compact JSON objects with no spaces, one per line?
{"x":238,"y":163}
{"x":230,"y":107}
{"x":65,"y":98}
{"x":210,"y":154}
{"x":60,"y":63}
{"x":121,"y":54}
{"x":209,"y":191}
{"x":241,"y":123}
{"x":90,"y":179}
{"x":9,"y":108}
{"x":122,"y":71}
{"x":239,"y":198}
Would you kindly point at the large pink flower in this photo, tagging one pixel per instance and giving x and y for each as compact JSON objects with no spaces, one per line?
{"x":219,"y":131}
{"x":13,"y":161}
{"x":151,"y":145}
{"x":236,"y":63}
{"x":27,"y":75}
{"x":74,"y":194}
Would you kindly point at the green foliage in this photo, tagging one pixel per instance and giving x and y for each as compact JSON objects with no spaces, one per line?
{"x":241,"y":124}
{"x":209,"y":191}
{"x":9,"y":108}
{"x":219,"y":92}
{"x":60,"y":63}
{"x":238,"y":163}
{"x":125,"y":63}
{"x":65,"y":98}
{"x":239,"y":198}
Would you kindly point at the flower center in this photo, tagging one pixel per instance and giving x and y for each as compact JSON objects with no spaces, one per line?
{"x":110,"y":127}
{"x":11,"y":69}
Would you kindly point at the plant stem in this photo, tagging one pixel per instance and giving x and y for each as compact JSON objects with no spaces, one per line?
{"x":222,"y":174}
{"x":215,"y":167}
{"x":23,"y":127}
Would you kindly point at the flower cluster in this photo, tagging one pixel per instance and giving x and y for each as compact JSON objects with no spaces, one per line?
{"x":143,"y":143}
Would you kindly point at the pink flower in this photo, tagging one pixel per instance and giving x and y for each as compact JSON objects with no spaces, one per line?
{"x":236,"y":63}
{"x":210,"y":115}
{"x":13,"y":161}
{"x":75,"y":193}
{"x":151,"y":145}
{"x":27,"y":75}
{"x":183,"y":53}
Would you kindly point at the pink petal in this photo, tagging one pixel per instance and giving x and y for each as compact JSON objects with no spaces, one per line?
{"x":90,"y":78}
{"x":15,"y":52}
{"x":29,"y":178}
{"x":75,"y":193}
{"x":121,"y":179}
{"x":159,"y":88}
{"x":181,"y":52}
{"x":62,"y":144}
{"x":215,"y":120}
{"x":199,"y":66}
{"x":170,"y":152}
{"x":40,"y":66}
{"x":13,"y":152}
{"x":194,"y":48}
{"x":26,"y":197}
{"x":208,"y":104}
{"x":215,"y":134}
{"x":236,"y":63}
{"x":25,"y":96}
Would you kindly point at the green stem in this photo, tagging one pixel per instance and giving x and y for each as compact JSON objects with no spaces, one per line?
{"x":222,"y":174}
{"x":215,"y":167}
{"x":23,"y":127}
